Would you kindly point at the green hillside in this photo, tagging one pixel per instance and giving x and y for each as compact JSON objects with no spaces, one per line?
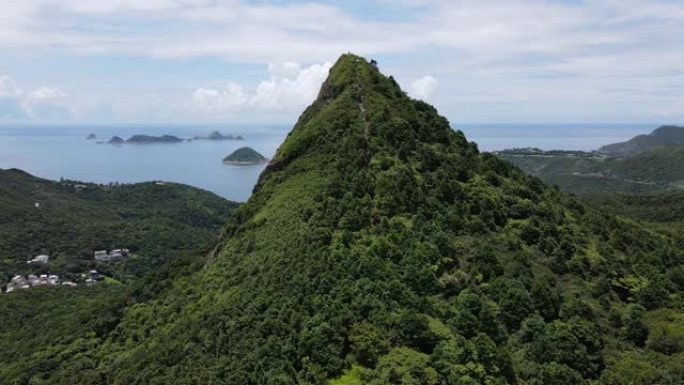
{"x":68,"y":220}
{"x":661,"y":136}
{"x":655,"y":170}
{"x":380,"y":247}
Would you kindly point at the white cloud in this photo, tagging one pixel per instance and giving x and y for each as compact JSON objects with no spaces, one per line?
{"x":481,"y":51}
{"x":8,"y":89}
{"x":46,"y":93}
{"x":46,"y":103}
{"x":487,"y":33}
{"x":10,"y":99}
{"x":110,"y":6}
{"x":230,"y":98}
{"x":423,"y":88}
{"x":289,"y":88}
{"x":40,"y":103}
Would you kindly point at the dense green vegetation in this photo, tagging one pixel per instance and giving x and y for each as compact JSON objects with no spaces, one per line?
{"x":41,"y":327}
{"x":167,"y":226}
{"x":245,"y":155}
{"x":655,"y":170}
{"x":666,"y":208}
{"x":380,"y":247}
{"x":68,"y":220}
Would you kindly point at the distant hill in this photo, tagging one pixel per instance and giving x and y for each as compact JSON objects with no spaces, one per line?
{"x":219,"y":136}
{"x":116,"y":140}
{"x":148,"y":139}
{"x":661,"y":136}
{"x":68,"y":220}
{"x":656,"y":169}
{"x":245,"y":155}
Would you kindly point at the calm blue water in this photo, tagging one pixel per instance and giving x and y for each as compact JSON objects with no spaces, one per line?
{"x":59,"y":151}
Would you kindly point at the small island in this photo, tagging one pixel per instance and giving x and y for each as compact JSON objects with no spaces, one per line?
{"x":116,"y":140}
{"x":219,"y":136}
{"x":91,"y":137}
{"x":245,"y":156}
{"x":147,"y":139}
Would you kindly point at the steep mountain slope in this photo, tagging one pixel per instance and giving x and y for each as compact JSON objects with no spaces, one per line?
{"x":380,"y":247}
{"x":661,"y":136}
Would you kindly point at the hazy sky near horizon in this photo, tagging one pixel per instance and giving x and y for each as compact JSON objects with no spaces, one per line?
{"x":181,"y":61}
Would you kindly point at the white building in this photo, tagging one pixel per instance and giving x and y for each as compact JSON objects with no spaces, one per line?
{"x":40,"y":259}
{"x":101,"y":255}
{"x":115,"y":255}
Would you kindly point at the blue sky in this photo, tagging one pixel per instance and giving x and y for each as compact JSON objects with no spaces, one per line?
{"x":231,"y":61}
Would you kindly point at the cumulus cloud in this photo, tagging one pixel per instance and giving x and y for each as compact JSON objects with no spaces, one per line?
{"x":289,"y":88}
{"x":10,"y":99}
{"x":423,"y":88}
{"x":230,"y":98}
{"x":241,"y":30}
{"x":7,"y":87}
{"x":46,"y":103}
{"x":42,"y":102}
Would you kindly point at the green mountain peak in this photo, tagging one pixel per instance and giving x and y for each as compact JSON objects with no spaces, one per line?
{"x":380,"y":247}
{"x":359,"y":105}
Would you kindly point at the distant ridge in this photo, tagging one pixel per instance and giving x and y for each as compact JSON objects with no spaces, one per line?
{"x":219,"y":136}
{"x":661,"y":136}
{"x":148,"y":139}
{"x":644,"y":164}
{"x":116,"y":140}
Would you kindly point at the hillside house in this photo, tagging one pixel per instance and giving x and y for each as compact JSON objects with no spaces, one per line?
{"x":93,"y":276}
{"x":22,"y":282}
{"x":116,"y":255}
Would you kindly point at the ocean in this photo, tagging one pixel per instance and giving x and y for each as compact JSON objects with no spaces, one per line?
{"x":55,"y":152}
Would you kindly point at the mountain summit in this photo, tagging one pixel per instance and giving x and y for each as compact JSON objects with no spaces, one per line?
{"x":380,"y":247}
{"x":360,"y":105}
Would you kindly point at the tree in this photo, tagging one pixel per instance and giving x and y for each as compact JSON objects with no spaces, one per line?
{"x":635,"y":330}
{"x":513,"y":300}
{"x":546,"y":297}
{"x":404,"y":366}
{"x":367,"y":343}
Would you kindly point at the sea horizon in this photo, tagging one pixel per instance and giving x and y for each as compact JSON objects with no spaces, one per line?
{"x":55,"y":151}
